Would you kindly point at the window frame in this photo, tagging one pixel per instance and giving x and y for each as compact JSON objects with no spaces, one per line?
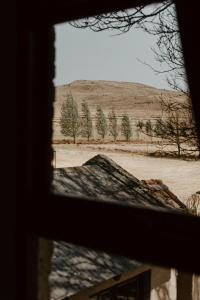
{"x":143,"y":285}
{"x":176,"y":233}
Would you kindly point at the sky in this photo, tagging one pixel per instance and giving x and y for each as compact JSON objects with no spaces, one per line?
{"x":85,"y":55}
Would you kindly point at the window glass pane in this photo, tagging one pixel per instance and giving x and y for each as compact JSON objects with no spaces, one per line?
{"x":123,"y":125}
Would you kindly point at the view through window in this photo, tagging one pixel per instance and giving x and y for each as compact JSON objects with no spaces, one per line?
{"x":128,"y":102}
{"x":123,"y":130}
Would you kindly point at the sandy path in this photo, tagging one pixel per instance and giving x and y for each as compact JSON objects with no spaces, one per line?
{"x":182,"y":177}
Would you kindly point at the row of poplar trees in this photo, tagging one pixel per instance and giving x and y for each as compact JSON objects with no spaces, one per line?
{"x":74,"y":124}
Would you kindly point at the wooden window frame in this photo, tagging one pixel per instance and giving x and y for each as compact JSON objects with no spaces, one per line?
{"x":163,"y":238}
{"x":143,"y":283}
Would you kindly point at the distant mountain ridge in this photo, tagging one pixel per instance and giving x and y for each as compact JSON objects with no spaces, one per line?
{"x":138,"y":100}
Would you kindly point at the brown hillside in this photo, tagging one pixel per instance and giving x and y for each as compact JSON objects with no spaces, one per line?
{"x":140,"y":101}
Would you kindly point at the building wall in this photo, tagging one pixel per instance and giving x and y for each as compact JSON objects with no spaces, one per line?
{"x":166,"y":290}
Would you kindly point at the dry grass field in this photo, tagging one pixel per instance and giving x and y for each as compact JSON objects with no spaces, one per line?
{"x":141,"y":102}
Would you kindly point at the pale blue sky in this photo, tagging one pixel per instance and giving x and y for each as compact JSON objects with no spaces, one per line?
{"x":86,"y":55}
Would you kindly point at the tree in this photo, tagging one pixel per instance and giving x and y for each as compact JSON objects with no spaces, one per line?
{"x":159,"y":129}
{"x":168,"y":51}
{"x":86,"y":121}
{"x":101,"y":122}
{"x":170,"y":130}
{"x":175,"y":126}
{"x":125,"y":19}
{"x":113,"y":129}
{"x":126,"y":127}
{"x":178,"y":124}
{"x":69,"y":119}
{"x":192,"y":132}
{"x":140,"y":125}
{"x":149,"y":128}
{"x":139,"y":128}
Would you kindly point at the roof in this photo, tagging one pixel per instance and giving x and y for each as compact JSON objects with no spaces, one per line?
{"x":157,"y":188}
{"x":101,"y":178}
{"x":75,"y":268}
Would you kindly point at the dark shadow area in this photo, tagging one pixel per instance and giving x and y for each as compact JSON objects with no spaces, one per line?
{"x":75,"y":268}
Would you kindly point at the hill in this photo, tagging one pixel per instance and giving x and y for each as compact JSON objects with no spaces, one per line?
{"x":138,"y":100}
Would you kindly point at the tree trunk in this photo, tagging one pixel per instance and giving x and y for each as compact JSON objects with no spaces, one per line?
{"x":184,"y":286}
{"x":178,"y":143}
{"x":179,"y":151}
{"x":198,"y":150}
